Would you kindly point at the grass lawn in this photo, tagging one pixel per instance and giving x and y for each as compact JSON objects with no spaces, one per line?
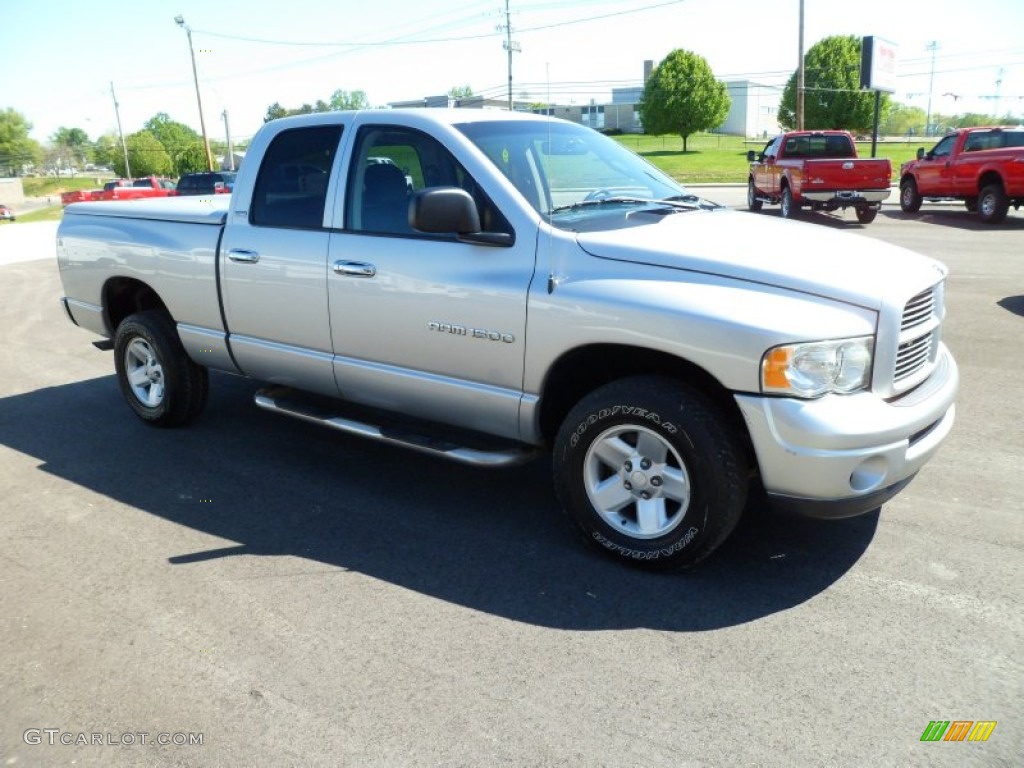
{"x":43,"y":186}
{"x":50,"y":213}
{"x":711,"y":158}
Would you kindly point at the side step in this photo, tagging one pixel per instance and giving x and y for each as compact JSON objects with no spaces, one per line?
{"x":464,"y":447}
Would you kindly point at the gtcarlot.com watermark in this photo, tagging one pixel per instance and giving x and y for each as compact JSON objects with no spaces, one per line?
{"x":58,"y":736}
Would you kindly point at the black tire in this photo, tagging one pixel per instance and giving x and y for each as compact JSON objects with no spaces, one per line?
{"x":159,"y":380}
{"x":788,"y":208}
{"x":653,"y":435}
{"x":866,"y":214}
{"x":993,"y":203}
{"x":971,"y":204}
{"x":910,"y":199}
{"x":752,"y":202}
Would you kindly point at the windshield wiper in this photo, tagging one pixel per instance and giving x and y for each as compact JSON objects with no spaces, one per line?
{"x":690,"y":202}
{"x":605,"y":201}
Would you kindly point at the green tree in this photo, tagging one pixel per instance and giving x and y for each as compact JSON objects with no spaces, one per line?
{"x":106,"y":150}
{"x":903,"y":120}
{"x":682,"y":96}
{"x":146,"y":156}
{"x":72,"y":145}
{"x":349,"y":100}
{"x":16,"y":148}
{"x":183,"y":145}
{"x":833,"y":98}
{"x":460,"y":92}
{"x":274,"y":112}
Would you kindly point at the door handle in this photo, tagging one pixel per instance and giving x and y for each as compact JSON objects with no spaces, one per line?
{"x":243,"y":256}
{"x":354,"y":269}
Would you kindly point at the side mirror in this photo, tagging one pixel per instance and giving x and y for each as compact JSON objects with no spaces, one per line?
{"x":920,"y":153}
{"x":443,"y":210}
{"x":751,"y":156}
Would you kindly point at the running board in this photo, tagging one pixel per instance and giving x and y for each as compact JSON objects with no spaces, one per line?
{"x":490,"y":452}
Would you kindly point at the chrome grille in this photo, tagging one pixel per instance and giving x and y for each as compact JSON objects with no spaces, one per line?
{"x":918,"y":310}
{"x":920,"y":329}
{"x":912,"y":356}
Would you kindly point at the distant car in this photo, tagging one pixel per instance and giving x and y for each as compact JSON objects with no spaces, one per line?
{"x":6,"y":214}
{"x":210,"y":183}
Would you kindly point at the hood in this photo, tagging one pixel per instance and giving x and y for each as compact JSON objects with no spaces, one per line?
{"x":810,"y":258}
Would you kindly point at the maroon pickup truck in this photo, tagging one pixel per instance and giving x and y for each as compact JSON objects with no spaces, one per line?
{"x":984,"y":167}
{"x":818,"y":170}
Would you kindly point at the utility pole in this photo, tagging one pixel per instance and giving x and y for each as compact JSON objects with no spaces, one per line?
{"x":231,"y":149}
{"x":195,"y":76}
{"x":512,"y":46}
{"x":933,"y":46}
{"x":800,"y":75}
{"x":124,"y":147}
{"x":999,"y":88}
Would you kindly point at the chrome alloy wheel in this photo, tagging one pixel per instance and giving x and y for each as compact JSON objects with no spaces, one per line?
{"x":636,"y":481}
{"x":144,"y":372}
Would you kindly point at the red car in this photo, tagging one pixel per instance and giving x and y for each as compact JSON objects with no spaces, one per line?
{"x":6,"y":214}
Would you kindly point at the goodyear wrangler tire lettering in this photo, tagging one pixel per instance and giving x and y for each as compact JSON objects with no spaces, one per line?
{"x":650,"y":471}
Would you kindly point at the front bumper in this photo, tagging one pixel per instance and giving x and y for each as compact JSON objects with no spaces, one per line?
{"x":842,"y":455}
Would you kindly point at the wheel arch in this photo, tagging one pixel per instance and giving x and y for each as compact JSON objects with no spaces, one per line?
{"x":582,"y":370}
{"x":124,"y":296}
{"x":990,"y":177}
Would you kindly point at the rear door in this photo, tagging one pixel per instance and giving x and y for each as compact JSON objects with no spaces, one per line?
{"x":273,"y":262}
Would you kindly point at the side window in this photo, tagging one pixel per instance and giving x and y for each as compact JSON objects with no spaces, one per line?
{"x":389,"y":164}
{"x":291,"y":188}
{"x":944,"y":147}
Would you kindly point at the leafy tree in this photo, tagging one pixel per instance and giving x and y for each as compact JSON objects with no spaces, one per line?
{"x":460,"y":92}
{"x":902,"y":120}
{"x":682,"y":96}
{"x":72,"y":146}
{"x":16,"y":148}
{"x":349,"y":100}
{"x":147,"y":156}
{"x":106,"y":150}
{"x":832,"y":94}
{"x":340,"y":99}
{"x":183,"y":145}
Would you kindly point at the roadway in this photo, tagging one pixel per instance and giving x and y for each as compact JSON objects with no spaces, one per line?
{"x":297,"y":597}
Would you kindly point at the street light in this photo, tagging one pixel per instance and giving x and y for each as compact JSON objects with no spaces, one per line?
{"x":195,"y":76}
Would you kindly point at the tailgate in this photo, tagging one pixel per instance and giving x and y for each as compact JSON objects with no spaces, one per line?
{"x":849,"y":174}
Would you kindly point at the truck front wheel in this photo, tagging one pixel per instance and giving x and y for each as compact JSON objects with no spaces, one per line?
{"x":993,"y":204}
{"x":910,"y":200}
{"x":752,"y":202}
{"x":650,"y":472}
{"x":158,"y":379}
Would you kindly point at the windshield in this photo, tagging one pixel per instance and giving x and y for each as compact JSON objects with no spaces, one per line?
{"x":574,"y":176}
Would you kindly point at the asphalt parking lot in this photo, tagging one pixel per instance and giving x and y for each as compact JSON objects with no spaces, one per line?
{"x":286,"y":596}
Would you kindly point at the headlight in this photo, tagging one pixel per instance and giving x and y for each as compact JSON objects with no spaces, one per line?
{"x":815,"y":368}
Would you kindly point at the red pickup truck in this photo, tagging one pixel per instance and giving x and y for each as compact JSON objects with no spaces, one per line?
{"x":122,"y":189}
{"x":984,"y":167}
{"x":818,"y":170}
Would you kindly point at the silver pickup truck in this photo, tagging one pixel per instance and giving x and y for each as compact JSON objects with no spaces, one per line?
{"x":486,"y":286}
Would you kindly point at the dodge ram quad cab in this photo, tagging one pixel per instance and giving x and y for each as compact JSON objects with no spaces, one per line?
{"x":538,"y":288}
{"x":984,"y":167}
{"x":819,"y":170}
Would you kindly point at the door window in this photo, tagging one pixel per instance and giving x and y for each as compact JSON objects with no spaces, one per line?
{"x":291,"y":188}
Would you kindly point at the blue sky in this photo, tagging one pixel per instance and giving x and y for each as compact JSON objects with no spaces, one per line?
{"x":58,"y":57}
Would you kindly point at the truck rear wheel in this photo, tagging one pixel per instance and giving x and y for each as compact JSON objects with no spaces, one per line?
{"x":910,"y":200}
{"x":993,"y":204}
{"x":159,"y":380}
{"x":788,"y":209}
{"x":650,"y":472}
{"x":866,"y":214}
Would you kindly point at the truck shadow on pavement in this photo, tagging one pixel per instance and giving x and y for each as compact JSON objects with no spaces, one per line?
{"x":493,"y":541}
{"x":958,"y":217}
